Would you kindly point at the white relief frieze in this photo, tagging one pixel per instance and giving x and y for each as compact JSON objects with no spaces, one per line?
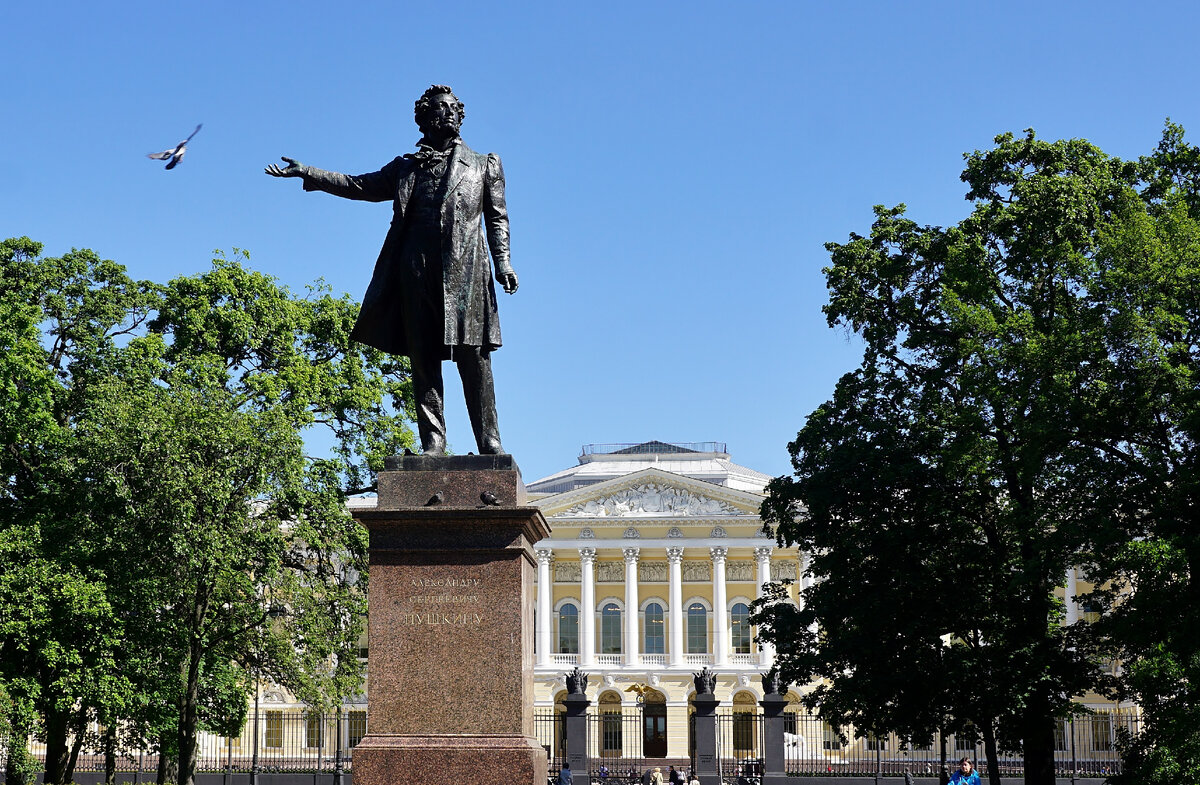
{"x":783,"y":569}
{"x":652,"y":571}
{"x":610,"y":571}
{"x":650,"y":499}
{"x":566,"y":572}
{"x":739,"y":571}
{"x":697,"y":570}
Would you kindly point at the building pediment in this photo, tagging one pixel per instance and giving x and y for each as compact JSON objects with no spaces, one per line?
{"x":651,"y":493}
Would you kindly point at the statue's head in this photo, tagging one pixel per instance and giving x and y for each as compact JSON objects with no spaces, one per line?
{"x":438,"y":111}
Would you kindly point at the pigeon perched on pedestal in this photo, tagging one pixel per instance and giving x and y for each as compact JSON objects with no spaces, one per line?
{"x":175,"y":153}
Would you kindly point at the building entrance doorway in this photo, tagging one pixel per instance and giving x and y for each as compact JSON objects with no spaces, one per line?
{"x":654,"y":730}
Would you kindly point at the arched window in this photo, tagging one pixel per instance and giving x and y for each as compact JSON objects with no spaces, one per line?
{"x":611,"y":740}
{"x":739,"y":628}
{"x":568,"y":629}
{"x":744,"y":723}
{"x":697,"y":629}
{"x":656,"y":636}
{"x":610,"y":628}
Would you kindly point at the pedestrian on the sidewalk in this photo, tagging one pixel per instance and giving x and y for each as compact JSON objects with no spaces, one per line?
{"x":965,"y":775}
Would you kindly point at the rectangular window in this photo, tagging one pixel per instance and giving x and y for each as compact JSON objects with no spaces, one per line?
{"x":610,"y":629}
{"x":656,"y":637}
{"x":875,"y":743}
{"x":312,"y":730}
{"x":1060,"y":735}
{"x":743,"y":731}
{"x":611,"y":731}
{"x":791,"y":723}
{"x":568,"y":632}
{"x":697,"y":630}
{"x":829,"y":737}
{"x":356,"y":726}
{"x":273,"y":736}
{"x":1102,"y":732}
{"x":739,"y":628}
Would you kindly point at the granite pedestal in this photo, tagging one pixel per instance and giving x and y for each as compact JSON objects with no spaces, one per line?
{"x":450,"y":625}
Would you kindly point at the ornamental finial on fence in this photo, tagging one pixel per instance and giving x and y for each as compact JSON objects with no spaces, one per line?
{"x":576,"y":682}
{"x":706,"y":681}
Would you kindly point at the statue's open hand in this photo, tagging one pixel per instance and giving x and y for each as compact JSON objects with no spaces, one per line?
{"x":293,"y":169}
{"x":508,"y":280}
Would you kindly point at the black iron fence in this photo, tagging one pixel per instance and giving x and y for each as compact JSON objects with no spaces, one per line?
{"x":550,"y":730}
{"x":1085,"y":745}
{"x":622,"y":742}
{"x":271,"y":741}
{"x":741,"y":740}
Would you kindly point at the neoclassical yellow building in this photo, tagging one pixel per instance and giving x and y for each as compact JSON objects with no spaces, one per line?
{"x":657,"y":552}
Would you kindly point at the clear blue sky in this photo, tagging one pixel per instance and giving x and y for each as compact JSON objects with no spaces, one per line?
{"x":673,"y":169}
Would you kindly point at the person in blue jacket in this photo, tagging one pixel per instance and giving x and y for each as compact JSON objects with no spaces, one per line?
{"x":564,"y":775}
{"x":965,"y":775}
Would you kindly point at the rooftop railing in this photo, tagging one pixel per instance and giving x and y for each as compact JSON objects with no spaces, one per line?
{"x":653,"y":448}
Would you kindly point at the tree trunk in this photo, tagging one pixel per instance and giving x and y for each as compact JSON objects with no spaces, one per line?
{"x":189,"y":715}
{"x":989,"y":750}
{"x":1039,"y":743}
{"x":943,"y":772}
{"x":110,"y":755}
{"x":58,"y":755}
{"x":168,"y":761}
{"x":77,"y":744}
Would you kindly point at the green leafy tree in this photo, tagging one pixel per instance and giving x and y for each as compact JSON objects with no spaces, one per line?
{"x":952,"y":479}
{"x":169,"y":494}
{"x":1150,"y":264}
{"x":63,"y":318}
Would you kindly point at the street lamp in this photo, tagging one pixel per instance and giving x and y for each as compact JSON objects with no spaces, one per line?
{"x":339,"y":770}
{"x":273,"y":612}
{"x":640,"y":691}
{"x":254,"y":755}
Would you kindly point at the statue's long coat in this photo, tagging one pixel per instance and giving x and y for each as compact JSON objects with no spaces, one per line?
{"x":474,"y":195}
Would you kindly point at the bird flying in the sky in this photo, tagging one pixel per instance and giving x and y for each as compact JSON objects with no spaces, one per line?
{"x":175,"y":153}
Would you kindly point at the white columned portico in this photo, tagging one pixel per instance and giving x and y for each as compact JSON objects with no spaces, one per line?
{"x":632,"y":650}
{"x":720,"y":612}
{"x":762,"y":559}
{"x":675,"y":601}
{"x":587,"y":613}
{"x":545,"y":591}
{"x":1072,"y":588}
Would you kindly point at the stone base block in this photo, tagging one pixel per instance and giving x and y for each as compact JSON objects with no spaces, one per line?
{"x":416,"y":481}
{"x":475,"y":759}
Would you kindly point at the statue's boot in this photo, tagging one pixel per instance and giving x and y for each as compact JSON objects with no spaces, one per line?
{"x":475,"y":368}
{"x":430,"y":400}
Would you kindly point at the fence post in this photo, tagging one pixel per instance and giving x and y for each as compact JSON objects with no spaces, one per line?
{"x":577,"y":733}
{"x":339,"y":768}
{"x":1074,"y":760}
{"x":707,"y":765}
{"x":773,"y":705}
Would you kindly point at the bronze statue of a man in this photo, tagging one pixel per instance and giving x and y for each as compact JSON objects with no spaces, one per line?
{"x":431,"y":296}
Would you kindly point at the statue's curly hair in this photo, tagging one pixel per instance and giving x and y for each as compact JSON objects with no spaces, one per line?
{"x":423,"y":102}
